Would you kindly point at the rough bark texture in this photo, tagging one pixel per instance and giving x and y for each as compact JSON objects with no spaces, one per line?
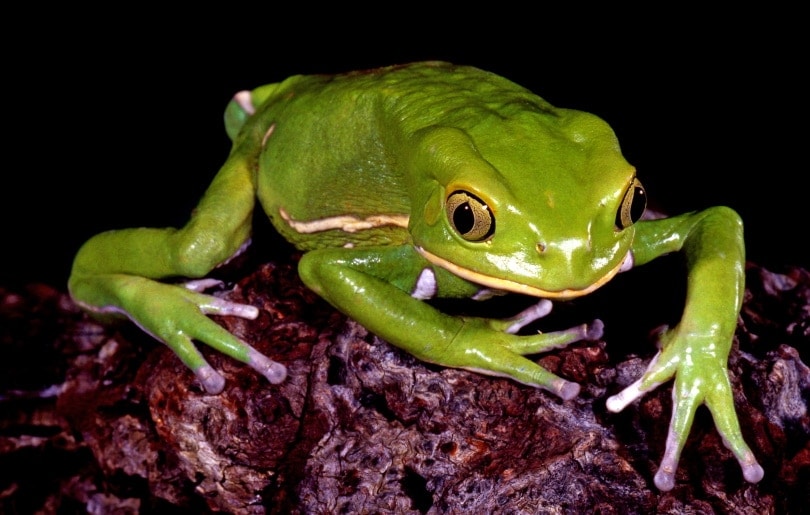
{"x":98,"y":419}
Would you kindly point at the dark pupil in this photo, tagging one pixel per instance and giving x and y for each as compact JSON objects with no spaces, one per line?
{"x":638,"y":205}
{"x":463,"y":218}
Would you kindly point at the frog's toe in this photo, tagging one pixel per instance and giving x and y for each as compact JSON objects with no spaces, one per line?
{"x":729,"y":429}
{"x":212,"y":381}
{"x":624,"y":398}
{"x":751,"y":469}
{"x":566,"y":390}
{"x":657,"y":373}
{"x":544,"y":342}
{"x":211,"y":305}
{"x":528,"y":315}
{"x":200,"y":285}
{"x":721,"y":405}
{"x":594,"y":330}
{"x":665,"y":479}
{"x":222,"y":307}
{"x":679,"y":429}
{"x":219,"y":338}
{"x":183,"y":347}
{"x":274,"y":371}
{"x":752,"y":472}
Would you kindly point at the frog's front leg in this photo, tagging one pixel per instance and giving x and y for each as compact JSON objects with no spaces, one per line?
{"x":695,"y":352}
{"x":373,"y":284}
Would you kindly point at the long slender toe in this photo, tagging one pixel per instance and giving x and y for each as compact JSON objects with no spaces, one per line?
{"x":274,"y":372}
{"x":212,"y":381}
{"x":566,"y":389}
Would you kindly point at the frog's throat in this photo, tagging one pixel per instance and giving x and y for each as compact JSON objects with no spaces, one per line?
{"x":516,"y":287}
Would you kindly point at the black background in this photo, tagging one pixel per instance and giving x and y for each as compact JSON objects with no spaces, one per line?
{"x":119,"y":124}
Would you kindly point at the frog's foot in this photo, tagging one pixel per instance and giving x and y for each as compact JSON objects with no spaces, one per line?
{"x":177,"y":315}
{"x":700,"y":377}
{"x":491,"y":348}
{"x":197,"y":326}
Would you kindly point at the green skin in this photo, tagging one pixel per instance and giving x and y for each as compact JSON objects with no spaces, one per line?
{"x":433,"y":180}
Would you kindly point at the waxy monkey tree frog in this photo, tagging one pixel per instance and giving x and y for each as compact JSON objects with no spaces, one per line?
{"x":427,"y":180}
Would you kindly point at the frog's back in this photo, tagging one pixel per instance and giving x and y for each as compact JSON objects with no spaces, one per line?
{"x":328,"y":171}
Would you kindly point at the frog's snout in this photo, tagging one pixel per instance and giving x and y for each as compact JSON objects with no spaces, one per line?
{"x":577,"y":267}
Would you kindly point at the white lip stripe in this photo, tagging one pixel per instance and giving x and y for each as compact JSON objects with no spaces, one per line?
{"x":515,"y":287}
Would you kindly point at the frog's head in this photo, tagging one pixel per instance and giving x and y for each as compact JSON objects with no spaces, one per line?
{"x":539,"y":203}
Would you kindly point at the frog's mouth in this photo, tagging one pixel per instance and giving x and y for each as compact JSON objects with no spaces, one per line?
{"x":498,"y":283}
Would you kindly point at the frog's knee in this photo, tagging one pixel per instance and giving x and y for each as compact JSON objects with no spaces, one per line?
{"x":309,"y":270}
{"x":315,"y":270}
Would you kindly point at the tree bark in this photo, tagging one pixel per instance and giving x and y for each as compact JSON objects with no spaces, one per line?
{"x":98,"y":418}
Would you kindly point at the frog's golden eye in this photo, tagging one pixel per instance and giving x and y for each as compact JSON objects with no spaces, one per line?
{"x":469,"y":216}
{"x":633,"y":205}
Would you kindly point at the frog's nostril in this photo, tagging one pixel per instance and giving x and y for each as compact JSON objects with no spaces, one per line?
{"x":541,"y":247}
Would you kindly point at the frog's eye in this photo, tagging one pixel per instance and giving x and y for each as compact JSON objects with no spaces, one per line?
{"x":469,"y":216}
{"x":633,"y":205}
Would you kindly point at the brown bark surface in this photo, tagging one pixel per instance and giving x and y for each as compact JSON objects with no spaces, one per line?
{"x":97,"y":418}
